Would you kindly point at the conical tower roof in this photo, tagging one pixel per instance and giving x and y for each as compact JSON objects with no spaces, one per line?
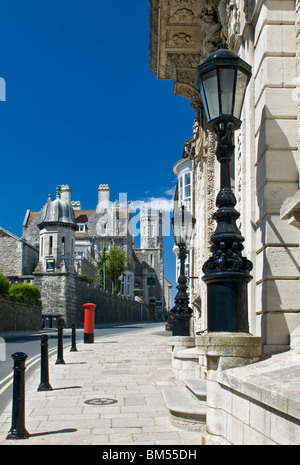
{"x":58,"y":212}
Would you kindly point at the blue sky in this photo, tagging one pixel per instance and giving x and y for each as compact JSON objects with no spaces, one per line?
{"x":82,"y":108}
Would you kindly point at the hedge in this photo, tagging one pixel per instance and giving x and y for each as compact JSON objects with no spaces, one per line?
{"x":25,"y":293}
{"x":4,"y":285}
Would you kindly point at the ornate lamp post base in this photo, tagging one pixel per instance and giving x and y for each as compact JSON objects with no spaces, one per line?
{"x":227,"y":301}
{"x":181,"y":324}
{"x":181,"y":312}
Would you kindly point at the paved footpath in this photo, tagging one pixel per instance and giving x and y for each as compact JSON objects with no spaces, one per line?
{"x":107,"y":393}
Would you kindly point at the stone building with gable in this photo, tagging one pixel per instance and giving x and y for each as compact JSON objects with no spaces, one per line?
{"x":91,"y":230}
{"x":17,"y":256}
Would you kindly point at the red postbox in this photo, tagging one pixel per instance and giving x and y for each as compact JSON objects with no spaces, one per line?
{"x":89,"y":323}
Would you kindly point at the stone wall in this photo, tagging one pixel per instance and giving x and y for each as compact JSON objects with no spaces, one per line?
{"x":10,"y":262}
{"x":64,"y":294}
{"x":297,"y":93}
{"x":276,"y":270}
{"x":86,"y":268}
{"x":110,"y":308}
{"x":257,"y":404}
{"x":16,"y":256}
{"x":58,"y":294}
{"x":16,"y":316}
{"x":30,"y":258}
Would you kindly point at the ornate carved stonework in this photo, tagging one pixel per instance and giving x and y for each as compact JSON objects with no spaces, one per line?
{"x":210,"y":185}
{"x":232,"y":19}
{"x":213,"y":30}
{"x":183,"y":15}
{"x":182,"y":34}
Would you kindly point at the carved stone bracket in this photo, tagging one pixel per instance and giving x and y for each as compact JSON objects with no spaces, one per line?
{"x":182,"y":34}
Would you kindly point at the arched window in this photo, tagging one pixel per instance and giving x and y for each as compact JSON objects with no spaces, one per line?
{"x":63,"y":246}
{"x":50,"y":245}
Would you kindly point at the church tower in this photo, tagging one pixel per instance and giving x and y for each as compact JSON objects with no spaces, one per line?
{"x":151,"y":222}
{"x":150,"y":273}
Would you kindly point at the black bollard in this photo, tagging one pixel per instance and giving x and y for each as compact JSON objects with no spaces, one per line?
{"x":18,"y":430}
{"x":74,"y":348}
{"x":44,"y":384}
{"x":60,"y":346}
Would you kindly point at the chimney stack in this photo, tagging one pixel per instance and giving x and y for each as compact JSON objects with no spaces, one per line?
{"x":103,"y":197}
{"x":66,"y":193}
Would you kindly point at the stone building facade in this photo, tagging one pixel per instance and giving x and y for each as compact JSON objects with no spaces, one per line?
{"x":250,"y":399}
{"x":110,"y":223}
{"x":149,"y":282}
{"x":17,"y":256}
{"x":265,"y":171}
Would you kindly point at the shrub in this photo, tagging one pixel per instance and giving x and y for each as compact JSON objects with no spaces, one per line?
{"x":25,"y":293}
{"x":4,"y":285}
{"x":85,"y":278}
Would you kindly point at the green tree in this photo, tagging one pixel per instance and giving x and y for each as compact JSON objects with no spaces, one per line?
{"x":4,"y":285}
{"x":101,"y":267}
{"x":116,"y":264}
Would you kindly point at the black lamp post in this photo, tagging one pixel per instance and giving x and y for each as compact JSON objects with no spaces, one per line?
{"x":182,"y":226}
{"x":223,"y":78}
